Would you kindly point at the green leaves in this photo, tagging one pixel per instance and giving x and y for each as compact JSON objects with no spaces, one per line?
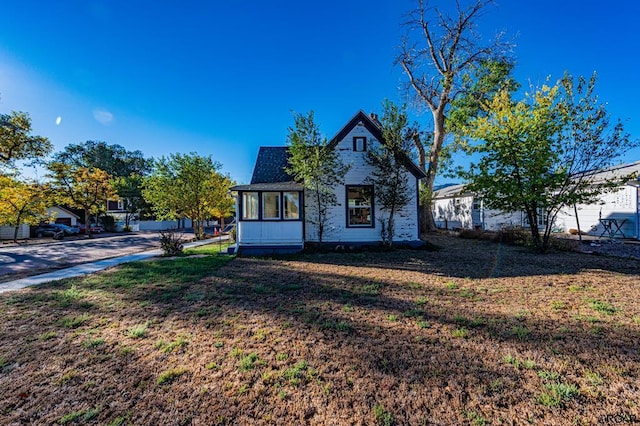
{"x":538,"y":154}
{"x":389,"y":175}
{"x":187,"y":185}
{"x":317,"y":166}
{"x":16,"y":143}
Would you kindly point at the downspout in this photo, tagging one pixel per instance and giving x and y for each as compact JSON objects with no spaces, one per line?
{"x":239,"y":214}
{"x":418,"y":208}
{"x":638,"y":211}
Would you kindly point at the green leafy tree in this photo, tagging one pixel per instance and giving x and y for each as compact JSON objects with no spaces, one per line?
{"x":126,"y":167}
{"x":22,"y":203}
{"x":187,"y":185}
{"x":82,"y":187}
{"x":129,"y":190}
{"x":16,"y":141}
{"x":539,"y":155}
{"x":389,"y":175}
{"x":317,"y":167}
{"x":441,"y":55}
{"x":113,"y":159}
{"x":224,"y":202}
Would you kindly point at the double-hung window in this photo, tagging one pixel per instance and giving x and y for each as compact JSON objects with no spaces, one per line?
{"x":360,"y":206}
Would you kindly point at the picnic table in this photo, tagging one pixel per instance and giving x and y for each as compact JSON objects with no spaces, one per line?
{"x":611,"y":227}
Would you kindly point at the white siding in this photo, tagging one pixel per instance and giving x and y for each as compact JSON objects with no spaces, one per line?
{"x":457,"y":213}
{"x":56,"y":212}
{"x":494,"y":220}
{"x":161,"y":225}
{"x":621,"y":204}
{"x":406,"y":222}
{"x":6,"y":232}
{"x":269,"y":233}
{"x":452,"y":213}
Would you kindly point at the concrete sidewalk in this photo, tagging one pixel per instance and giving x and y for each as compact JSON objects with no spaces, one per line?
{"x":91,"y":267}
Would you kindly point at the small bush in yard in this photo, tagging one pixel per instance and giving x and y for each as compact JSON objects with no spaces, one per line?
{"x":171,"y":242}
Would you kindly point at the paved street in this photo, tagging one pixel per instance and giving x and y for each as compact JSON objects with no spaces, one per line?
{"x":22,"y":260}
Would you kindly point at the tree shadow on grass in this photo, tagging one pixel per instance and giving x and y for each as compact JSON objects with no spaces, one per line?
{"x":465,"y":258}
{"x":409,"y":341}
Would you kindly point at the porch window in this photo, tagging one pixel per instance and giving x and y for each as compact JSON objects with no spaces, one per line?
{"x":270,"y":205}
{"x":291,"y":205}
{"x":250,"y":205}
{"x":360,"y":206}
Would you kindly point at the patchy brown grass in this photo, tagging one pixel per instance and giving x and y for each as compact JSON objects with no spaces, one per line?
{"x":476,"y":333}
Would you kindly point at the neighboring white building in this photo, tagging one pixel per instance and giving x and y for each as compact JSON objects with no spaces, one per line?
{"x":455,"y":208}
{"x":271,"y":210}
{"x":61,"y":215}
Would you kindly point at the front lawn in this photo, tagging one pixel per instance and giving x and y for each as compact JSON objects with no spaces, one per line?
{"x":476,"y":333}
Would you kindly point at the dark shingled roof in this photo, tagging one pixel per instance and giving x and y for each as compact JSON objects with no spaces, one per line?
{"x":270,"y":165}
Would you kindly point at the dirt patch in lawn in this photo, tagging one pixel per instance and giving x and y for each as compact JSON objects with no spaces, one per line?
{"x":476,"y":333}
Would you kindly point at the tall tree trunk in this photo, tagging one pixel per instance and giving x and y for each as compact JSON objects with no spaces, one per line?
{"x":575,"y":209}
{"x":432,"y":167}
{"x":422,"y":163}
{"x":87,"y":223}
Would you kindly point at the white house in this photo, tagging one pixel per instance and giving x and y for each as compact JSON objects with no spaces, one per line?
{"x":615,"y":214}
{"x":63,"y":216}
{"x":271,"y":210}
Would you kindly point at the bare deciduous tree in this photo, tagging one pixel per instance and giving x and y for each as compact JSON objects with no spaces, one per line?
{"x":438,"y":61}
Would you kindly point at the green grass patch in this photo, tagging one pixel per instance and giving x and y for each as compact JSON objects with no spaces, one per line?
{"x":527,"y":364}
{"x":212,"y":249}
{"x":48,"y":335}
{"x":138,"y":331}
{"x":557,"y":394}
{"x":93,"y":342}
{"x":343,"y":326}
{"x":68,"y":296}
{"x":474,"y":418}
{"x":520,"y":332}
{"x":178,"y":344}
{"x":594,"y":378}
{"x":382,"y":416}
{"x":602,"y":307}
{"x":294,"y":374}
{"x":179,"y":271}
{"x":249,"y":362}
{"x":118,"y":421}
{"x":460,"y":332}
{"x":170,"y":375}
{"x":74,"y":322}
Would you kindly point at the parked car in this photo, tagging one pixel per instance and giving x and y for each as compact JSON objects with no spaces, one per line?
{"x":95,"y":229}
{"x":52,"y":229}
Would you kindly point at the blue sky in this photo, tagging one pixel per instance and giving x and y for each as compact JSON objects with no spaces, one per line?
{"x":221,"y":78}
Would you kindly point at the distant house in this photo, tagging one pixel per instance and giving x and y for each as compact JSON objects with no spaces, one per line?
{"x":456,"y":208}
{"x":271,"y":209}
{"x":63,"y":216}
